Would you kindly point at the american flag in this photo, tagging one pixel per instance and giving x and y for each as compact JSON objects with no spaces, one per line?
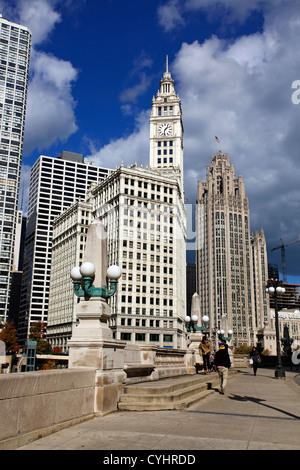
{"x":217,"y":140}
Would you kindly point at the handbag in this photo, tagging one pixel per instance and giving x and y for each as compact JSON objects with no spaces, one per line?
{"x":250,"y":360}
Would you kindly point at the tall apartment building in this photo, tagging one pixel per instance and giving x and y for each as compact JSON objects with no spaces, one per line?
{"x":68,"y":245}
{"x":55,"y":184}
{"x":143,"y":211}
{"x":15,"y":44}
{"x":231,"y":265}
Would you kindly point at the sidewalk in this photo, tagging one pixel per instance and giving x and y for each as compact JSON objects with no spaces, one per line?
{"x":256,"y":413}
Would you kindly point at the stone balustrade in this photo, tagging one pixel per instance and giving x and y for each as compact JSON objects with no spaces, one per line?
{"x":35,"y":404}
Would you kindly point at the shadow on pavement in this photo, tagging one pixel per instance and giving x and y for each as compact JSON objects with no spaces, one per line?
{"x":259,"y":401}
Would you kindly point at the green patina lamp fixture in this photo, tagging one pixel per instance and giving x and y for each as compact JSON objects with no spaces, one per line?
{"x":191,"y":323}
{"x":83,"y":278}
{"x":220,"y":333}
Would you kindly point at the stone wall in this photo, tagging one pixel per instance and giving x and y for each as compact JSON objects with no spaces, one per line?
{"x":35,"y":404}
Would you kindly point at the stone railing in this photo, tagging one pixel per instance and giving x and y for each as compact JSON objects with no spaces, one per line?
{"x":35,"y":404}
{"x":143,"y":363}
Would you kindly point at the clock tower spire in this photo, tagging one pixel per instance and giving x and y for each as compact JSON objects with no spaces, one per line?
{"x":166,"y":129}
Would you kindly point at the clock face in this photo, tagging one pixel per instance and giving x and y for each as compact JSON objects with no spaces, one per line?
{"x":165,"y":129}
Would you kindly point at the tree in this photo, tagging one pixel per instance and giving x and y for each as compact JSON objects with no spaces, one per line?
{"x":8,"y":335}
{"x":37,"y":333}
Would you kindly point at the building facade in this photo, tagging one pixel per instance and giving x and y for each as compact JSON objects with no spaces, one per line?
{"x":260,"y":277}
{"x":231,"y":265}
{"x":143,"y":211}
{"x":68,"y":244}
{"x":143,"y":215}
{"x":15,"y":45}
{"x":146,"y":238}
{"x":55,"y":184}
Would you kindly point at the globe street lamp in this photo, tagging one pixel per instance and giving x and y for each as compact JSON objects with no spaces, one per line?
{"x":221,"y":336}
{"x":274,"y":286}
{"x":83,"y":278}
{"x":191,"y":323}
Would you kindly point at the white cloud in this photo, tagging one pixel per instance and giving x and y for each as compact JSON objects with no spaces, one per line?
{"x":170,"y":15}
{"x":50,"y":106}
{"x":39,"y":16}
{"x":50,"y":113}
{"x":173,"y":13}
{"x":128,"y":149}
{"x":131,"y":94}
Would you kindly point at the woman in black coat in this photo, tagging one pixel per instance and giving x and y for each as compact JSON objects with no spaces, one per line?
{"x":254,"y":355}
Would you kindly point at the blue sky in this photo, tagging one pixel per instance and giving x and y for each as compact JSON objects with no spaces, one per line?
{"x":95,"y":66}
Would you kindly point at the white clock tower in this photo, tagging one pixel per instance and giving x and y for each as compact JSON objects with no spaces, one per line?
{"x":166,"y":129}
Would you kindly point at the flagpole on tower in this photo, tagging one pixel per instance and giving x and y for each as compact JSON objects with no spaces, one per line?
{"x":217,"y":140}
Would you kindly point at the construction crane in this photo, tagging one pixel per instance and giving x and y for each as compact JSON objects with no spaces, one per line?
{"x":283,"y":258}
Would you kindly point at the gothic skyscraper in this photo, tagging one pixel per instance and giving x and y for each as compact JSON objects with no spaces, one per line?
{"x":231,"y":267}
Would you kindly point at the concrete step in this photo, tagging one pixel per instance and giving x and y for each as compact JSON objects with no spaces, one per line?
{"x":167,"y":394}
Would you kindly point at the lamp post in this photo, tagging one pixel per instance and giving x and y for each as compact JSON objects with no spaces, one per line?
{"x":191,"y":323}
{"x":83,"y":279}
{"x":92,"y":344}
{"x":274,"y":286}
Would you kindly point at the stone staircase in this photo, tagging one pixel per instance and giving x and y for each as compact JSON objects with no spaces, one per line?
{"x":175,"y":393}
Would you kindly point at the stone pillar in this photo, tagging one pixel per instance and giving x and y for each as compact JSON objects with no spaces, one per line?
{"x":92,"y":344}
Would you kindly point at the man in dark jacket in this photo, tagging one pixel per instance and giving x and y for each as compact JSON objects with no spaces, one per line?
{"x":222,"y":362}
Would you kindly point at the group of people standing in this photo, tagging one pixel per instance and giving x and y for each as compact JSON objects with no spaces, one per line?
{"x":221,"y":360}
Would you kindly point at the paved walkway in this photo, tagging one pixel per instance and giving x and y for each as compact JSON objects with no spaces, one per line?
{"x":256,"y":413}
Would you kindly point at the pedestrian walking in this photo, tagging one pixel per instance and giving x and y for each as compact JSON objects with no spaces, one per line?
{"x":255,"y":359}
{"x":222,"y":363}
{"x":205,"y":348}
